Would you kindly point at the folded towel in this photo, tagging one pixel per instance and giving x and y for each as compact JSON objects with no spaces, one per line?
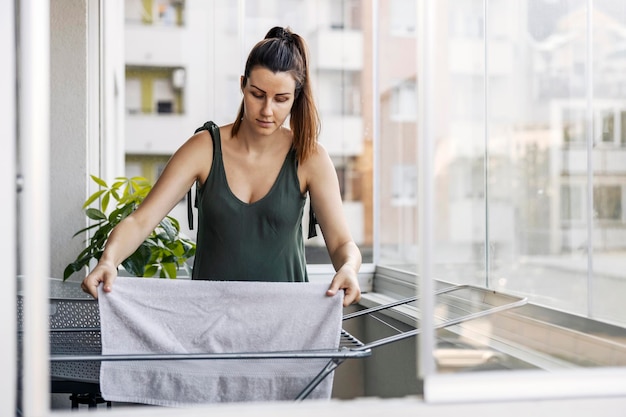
{"x":184,"y":316}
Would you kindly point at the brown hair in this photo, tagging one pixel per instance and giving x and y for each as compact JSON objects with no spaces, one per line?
{"x":284,"y":51}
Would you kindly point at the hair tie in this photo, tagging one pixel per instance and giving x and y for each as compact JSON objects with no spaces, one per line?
{"x":281,"y":33}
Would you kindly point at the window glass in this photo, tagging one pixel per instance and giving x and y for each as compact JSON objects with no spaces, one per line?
{"x":607,"y":201}
{"x":622,"y":130}
{"x":572,"y":203}
{"x":517,"y":208}
{"x":397,"y":153}
{"x":608,"y":126}
{"x":574,"y":125}
{"x":402,"y":17}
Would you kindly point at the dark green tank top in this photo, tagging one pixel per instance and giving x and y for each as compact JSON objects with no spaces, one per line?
{"x":261,"y":241}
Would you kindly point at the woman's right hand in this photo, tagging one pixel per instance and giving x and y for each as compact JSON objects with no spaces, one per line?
{"x":104,"y":273}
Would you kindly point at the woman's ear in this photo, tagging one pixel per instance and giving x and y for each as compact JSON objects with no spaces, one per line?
{"x":242,"y":81}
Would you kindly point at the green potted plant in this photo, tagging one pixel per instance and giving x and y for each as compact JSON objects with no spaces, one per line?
{"x":164,"y":252}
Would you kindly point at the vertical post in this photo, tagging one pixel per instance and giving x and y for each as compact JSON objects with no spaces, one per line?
{"x":95,"y":102}
{"x":487,"y":258}
{"x":34,"y":138}
{"x":8,"y":245}
{"x":112,"y":78}
{"x":426,"y":57}
{"x":241,"y":32}
{"x":375,"y":133}
{"x":590,"y":146}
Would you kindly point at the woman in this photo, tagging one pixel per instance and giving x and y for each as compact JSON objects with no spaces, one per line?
{"x":253,"y":177}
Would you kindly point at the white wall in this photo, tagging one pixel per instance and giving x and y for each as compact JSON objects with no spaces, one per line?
{"x":68,"y":130}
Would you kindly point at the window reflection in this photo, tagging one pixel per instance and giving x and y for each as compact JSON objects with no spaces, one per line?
{"x":528,"y":193}
{"x":154,"y":12}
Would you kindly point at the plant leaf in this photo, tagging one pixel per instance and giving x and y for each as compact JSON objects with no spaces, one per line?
{"x":84,"y":229}
{"x":150,"y":271}
{"x":69,"y":270}
{"x":174,"y":222}
{"x":105,"y":201}
{"x":136,"y":263}
{"x":99,"y":181}
{"x":93,"y":198}
{"x":169,"y":229}
{"x":168,"y":269}
{"x":115,"y":194}
{"x":177,"y":248}
{"x":95,"y":214}
{"x":120,"y":213}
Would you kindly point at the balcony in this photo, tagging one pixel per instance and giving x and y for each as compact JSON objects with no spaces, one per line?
{"x":154,"y":45}
{"x":155,"y":134}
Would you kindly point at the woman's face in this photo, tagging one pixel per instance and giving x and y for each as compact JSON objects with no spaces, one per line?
{"x":267,"y":99}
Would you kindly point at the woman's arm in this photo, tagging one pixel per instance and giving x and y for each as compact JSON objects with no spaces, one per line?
{"x":323,"y":186}
{"x":191,"y":162}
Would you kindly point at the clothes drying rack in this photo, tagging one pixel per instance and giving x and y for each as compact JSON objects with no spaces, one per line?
{"x":75,"y":345}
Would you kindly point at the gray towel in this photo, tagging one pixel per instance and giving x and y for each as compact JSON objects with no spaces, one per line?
{"x":183,"y":316}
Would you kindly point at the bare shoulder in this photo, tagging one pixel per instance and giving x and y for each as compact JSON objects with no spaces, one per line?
{"x":194,"y":156}
{"x":201,"y":143}
{"x":317,"y":168}
{"x":196,"y":147}
{"x":226,"y":131}
{"x":317,"y":161}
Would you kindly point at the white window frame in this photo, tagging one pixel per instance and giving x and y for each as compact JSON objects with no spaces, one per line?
{"x":8,"y":307}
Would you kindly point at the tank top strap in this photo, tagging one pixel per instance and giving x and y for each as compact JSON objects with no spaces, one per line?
{"x":214,"y":131}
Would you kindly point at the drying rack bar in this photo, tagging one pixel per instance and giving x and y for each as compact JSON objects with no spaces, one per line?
{"x":320,"y":354}
{"x":398,"y":303}
{"x":518,"y":302}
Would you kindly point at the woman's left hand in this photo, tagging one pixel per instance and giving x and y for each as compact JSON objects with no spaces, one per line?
{"x":346,"y":279}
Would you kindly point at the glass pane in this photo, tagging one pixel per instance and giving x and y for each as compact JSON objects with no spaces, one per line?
{"x":459,"y":229}
{"x":397,"y":100}
{"x":459,"y":135}
{"x":609,"y":165}
{"x":512,"y":186}
{"x":537,"y":124}
{"x":539,"y":192}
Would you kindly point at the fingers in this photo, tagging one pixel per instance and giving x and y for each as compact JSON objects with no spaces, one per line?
{"x":108,"y":282}
{"x":351,"y":296}
{"x":99,"y":275}
{"x":352,"y":291}
{"x":334,"y":287}
{"x":90,"y":287}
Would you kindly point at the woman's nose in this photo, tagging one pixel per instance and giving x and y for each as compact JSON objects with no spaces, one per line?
{"x":267,"y":108}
